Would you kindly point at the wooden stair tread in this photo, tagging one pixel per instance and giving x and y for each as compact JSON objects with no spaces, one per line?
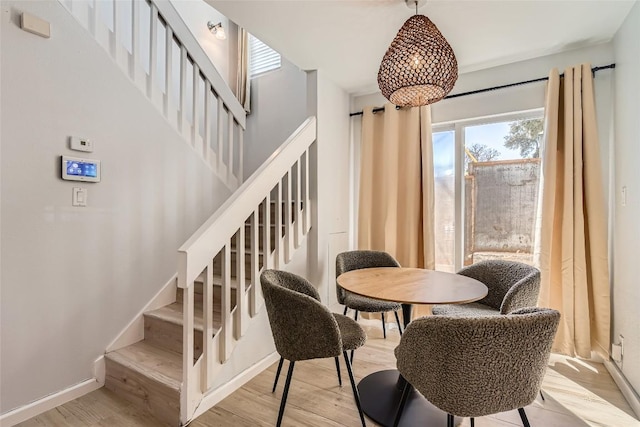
{"x":153,"y":362}
{"x":173,"y":313}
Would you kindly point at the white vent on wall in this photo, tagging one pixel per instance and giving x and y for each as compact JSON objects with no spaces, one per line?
{"x":263,"y":58}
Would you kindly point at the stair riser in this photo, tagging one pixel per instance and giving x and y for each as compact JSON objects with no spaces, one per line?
{"x":273,"y":212}
{"x":247,"y":237}
{"x":217,"y":266}
{"x":168,"y":335}
{"x":150,"y":395}
{"x":197,"y":294}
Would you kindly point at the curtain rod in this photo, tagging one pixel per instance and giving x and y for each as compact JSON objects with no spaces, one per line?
{"x":473,"y":92}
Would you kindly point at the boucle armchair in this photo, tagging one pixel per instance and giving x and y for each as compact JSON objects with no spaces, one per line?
{"x":512,"y":285}
{"x":355,"y":260}
{"x":305,"y":329}
{"x":476,"y":366}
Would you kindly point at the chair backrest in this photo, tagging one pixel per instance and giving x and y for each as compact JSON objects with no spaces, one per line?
{"x":302,"y":327}
{"x":512,"y":285}
{"x":355,"y":260}
{"x":475,"y":366}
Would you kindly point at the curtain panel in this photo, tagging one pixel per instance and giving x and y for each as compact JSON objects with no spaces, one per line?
{"x":244,"y":83}
{"x":573,"y":248}
{"x":396,"y":198}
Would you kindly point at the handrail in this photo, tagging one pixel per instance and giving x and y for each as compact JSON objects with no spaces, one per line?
{"x":199,"y":56}
{"x":208,"y":238}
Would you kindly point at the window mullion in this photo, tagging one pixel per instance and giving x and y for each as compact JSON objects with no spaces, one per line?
{"x":459,"y":234}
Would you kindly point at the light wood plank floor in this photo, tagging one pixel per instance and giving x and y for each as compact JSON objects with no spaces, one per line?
{"x":577,"y":393}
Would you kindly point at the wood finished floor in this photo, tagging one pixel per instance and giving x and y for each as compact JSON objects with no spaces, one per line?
{"x":577,"y":393}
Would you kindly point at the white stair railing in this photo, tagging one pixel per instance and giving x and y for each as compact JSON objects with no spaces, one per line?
{"x":154,"y":47}
{"x":281,"y":183}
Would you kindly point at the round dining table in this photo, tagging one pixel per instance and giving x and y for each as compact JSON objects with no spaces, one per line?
{"x":380,"y":392}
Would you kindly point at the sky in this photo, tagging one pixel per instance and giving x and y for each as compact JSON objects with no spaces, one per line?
{"x":491,"y":135}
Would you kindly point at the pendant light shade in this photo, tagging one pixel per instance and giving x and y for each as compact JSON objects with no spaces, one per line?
{"x":419,"y":67}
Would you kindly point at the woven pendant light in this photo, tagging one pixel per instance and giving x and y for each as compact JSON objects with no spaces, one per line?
{"x":419,"y":67}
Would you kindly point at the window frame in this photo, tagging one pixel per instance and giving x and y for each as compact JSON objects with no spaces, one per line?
{"x":458,"y":127}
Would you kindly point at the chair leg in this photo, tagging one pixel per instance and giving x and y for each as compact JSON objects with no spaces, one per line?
{"x":354,"y":388}
{"x":355,"y":317}
{"x":406,"y":391}
{"x":523,"y":417}
{"x":384,"y":329}
{"x":541,"y":395}
{"x":398,"y":322}
{"x":275,"y":381}
{"x":285,"y":393}
{"x":450,"y":420}
{"x":338,"y":369}
{"x":345,"y":310}
{"x":472,"y":422}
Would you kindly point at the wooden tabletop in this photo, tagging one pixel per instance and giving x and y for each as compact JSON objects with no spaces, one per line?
{"x":413,"y":285}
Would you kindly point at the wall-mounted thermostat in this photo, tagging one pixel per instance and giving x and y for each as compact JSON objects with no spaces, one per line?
{"x":76,"y":169}
{"x":80,"y":144}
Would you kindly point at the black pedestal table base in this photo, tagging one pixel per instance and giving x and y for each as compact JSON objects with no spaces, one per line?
{"x":380,"y":395}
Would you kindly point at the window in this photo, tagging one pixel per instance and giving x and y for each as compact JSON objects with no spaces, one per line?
{"x":486,"y":189}
{"x":262,"y":57}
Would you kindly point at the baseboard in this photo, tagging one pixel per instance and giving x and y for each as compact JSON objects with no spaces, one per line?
{"x":624,"y":386}
{"x":25,"y":412}
{"x":217,"y":395}
{"x":134,"y":331}
{"x":99,"y":370}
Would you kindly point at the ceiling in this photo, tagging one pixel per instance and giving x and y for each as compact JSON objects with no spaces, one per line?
{"x":347,"y":39}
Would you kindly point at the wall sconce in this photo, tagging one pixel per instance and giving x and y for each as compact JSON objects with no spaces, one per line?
{"x":217,"y":30}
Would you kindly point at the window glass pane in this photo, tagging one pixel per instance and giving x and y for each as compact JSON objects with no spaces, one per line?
{"x":262,"y":57}
{"x":444,"y":186}
{"x":502,"y":169}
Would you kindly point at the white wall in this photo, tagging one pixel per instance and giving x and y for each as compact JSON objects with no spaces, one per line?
{"x":331,"y":105}
{"x":626,"y":230}
{"x":223,"y":53}
{"x":72,"y":278}
{"x":278,"y":107}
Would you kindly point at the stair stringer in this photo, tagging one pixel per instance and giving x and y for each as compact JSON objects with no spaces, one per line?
{"x":134,"y":331}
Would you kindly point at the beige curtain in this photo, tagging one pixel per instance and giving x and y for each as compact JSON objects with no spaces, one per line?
{"x":573,"y":248}
{"x":395,"y":212}
{"x":243,"y":83}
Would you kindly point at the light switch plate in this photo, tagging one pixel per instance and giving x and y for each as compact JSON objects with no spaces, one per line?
{"x":79,"y":197}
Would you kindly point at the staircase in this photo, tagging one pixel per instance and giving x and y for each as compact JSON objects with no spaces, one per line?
{"x":170,"y":372}
{"x":149,"y":372}
{"x":166,"y":361}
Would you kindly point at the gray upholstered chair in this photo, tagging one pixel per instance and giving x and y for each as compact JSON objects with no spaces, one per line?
{"x":305,"y":329}
{"x":355,"y":260}
{"x":512,"y":285}
{"x":475,"y":366}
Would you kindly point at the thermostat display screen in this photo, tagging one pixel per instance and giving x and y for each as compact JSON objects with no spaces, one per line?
{"x":76,"y":169}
